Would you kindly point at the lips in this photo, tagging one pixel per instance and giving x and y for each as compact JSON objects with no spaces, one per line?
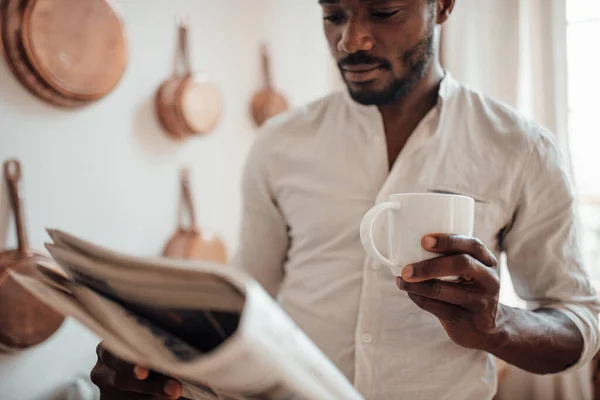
{"x":362,"y":73}
{"x":361,"y":67}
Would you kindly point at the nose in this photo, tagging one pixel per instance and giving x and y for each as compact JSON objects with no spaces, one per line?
{"x":355,"y":38}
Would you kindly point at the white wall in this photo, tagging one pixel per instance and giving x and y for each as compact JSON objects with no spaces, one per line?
{"x":107,"y":172}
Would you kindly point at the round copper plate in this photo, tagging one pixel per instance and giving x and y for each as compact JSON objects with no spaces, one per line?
{"x":3,"y":5}
{"x":11,"y":12}
{"x":77,"y":46}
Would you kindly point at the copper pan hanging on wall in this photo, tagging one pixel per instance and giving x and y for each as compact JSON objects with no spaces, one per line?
{"x":267,"y":102}
{"x":24,"y":320}
{"x":189,"y":241}
{"x":68,"y":53}
{"x":187,"y":104}
{"x":11,"y":19}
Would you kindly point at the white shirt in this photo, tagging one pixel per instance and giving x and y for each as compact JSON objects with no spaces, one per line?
{"x":314,"y":172}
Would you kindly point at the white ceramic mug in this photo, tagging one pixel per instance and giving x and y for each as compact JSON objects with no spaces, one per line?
{"x":410,"y":217}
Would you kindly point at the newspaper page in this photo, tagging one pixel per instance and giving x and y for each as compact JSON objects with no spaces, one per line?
{"x":212,"y":327}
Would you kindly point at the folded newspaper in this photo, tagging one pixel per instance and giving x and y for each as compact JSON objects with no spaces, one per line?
{"x":211,"y":326}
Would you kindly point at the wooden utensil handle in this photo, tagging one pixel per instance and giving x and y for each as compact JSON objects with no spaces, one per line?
{"x":182,"y":54}
{"x":266,"y":65}
{"x":12,"y":174}
{"x":186,"y":200}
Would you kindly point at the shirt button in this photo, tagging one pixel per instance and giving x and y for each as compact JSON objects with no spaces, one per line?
{"x":367,"y":338}
{"x":375,"y":266}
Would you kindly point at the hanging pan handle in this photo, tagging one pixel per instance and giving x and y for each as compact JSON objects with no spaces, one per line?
{"x":266,"y":66}
{"x":182,"y":55}
{"x":12,"y":174}
{"x":187,"y":202}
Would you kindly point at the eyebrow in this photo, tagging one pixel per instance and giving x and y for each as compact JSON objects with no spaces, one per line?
{"x":338,"y":1}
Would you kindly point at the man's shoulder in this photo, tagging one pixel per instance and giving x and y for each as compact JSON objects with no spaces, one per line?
{"x":500,"y":120}
{"x":497,"y":124}
{"x":298,"y":123}
{"x":293,"y":130}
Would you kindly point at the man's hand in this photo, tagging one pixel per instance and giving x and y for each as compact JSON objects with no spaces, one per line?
{"x":119,"y":380}
{"x":468,"y":310}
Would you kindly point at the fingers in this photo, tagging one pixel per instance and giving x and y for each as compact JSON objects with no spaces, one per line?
{"x":457,"y":244}
{"x":443,"y":311}
{"x":116,"y":395}
{"x":462,"y":265}
{"x":112,"y":374}
{"x":466,"y":297}
{"x":119,"y":365}
{"x":107,"y":378}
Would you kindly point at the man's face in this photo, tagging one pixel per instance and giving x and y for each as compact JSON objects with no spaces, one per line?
{"x":382,"y":47}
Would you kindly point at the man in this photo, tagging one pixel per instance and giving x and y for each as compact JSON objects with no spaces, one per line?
{"x":406,"y":126}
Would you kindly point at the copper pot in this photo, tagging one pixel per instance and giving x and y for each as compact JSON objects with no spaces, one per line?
{"x":188,"y":241}
{"x":68,"y":53}
{"x":24,"y":320}
{"x":187,"y":104}
{"x":267,"y":102}
{"x":11,"y":21}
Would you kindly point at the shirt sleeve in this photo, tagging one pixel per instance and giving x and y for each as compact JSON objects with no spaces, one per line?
{"x":542,"y":246}
{"x":263,"y":241}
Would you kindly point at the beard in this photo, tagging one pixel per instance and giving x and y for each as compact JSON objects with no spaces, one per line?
{"x":416,"y":60}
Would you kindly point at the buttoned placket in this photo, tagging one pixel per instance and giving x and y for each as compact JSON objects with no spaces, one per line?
{"x":369,"y":322}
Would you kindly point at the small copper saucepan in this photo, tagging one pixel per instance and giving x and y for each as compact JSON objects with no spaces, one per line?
{"x":267,"y":102}
{"x":24,"y":321}
{"x":187,"y":104}
{"x":190,"y":242}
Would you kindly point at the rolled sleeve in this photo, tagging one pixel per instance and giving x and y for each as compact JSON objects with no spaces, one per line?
{"x":543,"y":246}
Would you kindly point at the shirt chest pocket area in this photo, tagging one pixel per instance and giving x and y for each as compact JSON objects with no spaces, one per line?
{"x":321,"y":220}
{"x":489,"y":217}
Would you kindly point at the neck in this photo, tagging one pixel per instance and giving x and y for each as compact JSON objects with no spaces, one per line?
{"x":401,"y":117}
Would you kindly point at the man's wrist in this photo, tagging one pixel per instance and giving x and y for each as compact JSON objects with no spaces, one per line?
{"x":501,"y":336}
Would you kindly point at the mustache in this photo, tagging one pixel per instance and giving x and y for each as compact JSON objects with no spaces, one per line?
{"x":362,"y":57}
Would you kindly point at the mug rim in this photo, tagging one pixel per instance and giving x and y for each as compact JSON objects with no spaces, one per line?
{"x":394,"y":196}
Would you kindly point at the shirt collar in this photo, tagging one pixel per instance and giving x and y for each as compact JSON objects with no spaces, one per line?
{"x":371,"y":115}
{"x":448,"y":87}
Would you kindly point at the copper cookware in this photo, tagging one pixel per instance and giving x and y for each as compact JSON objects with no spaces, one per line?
{"x":267,"y":102}
{"x":68,"y":53}
{"x":187,"y":104}
{"x":24,"y":321}
{"x":11,"y":19}
{"x":189,"y":242}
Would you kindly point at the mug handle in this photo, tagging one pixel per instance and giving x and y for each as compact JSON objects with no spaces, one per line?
{"x":366,"y":231}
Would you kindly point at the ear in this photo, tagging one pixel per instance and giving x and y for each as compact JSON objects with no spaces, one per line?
{"x":443,"y":10}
